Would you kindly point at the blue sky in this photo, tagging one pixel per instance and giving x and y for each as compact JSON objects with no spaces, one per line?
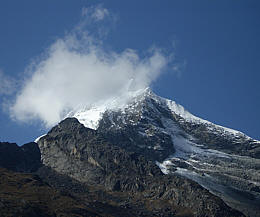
{"x":214,"y":74}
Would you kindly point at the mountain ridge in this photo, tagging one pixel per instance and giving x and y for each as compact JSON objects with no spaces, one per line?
{"x":147,"y":156}
{"x":140,"y":95}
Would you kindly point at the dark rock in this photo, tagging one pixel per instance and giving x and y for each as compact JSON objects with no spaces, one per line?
{"x":26,"y":158}
{"x":25,"y":195}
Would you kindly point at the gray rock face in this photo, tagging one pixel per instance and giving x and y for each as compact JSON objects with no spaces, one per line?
{"x":84,"y":154}
{"x":72,"y":149}
{"x":138,"y":129}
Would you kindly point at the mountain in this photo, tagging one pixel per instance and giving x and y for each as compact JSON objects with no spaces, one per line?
{"x":224,"y":161}
{"x":83,"y":174}
{"x":135,"y":155}
{"x":87,"y":156}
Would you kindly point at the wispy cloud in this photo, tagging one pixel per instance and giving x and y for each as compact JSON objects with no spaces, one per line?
{"x":179,"y":67}
{"x":97,"y":13}
{"x":78,"y":71}
{"x":7,"y":84}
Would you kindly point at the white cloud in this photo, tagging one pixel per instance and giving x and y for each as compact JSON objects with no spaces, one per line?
{"x":77,"y":71}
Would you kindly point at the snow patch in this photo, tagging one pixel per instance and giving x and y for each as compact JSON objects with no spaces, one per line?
{"x":37,"y":139}
{"x":164,"y":166}
{"x":90,"y":117}
{"x":187,"y":116}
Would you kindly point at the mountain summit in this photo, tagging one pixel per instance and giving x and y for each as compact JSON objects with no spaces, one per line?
{"x":149,"y":114}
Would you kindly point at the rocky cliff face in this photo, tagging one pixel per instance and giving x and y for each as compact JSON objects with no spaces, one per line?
{"x":85,"y":155}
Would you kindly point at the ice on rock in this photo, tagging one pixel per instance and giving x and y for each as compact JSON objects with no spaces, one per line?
{"x":37,"y":139}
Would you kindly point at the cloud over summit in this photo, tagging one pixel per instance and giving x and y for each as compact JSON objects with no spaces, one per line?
{"x":77,"y":71}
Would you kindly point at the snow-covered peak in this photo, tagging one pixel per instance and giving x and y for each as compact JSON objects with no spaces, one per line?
{"x":90,"y":116}
{"x":129,"y":101}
